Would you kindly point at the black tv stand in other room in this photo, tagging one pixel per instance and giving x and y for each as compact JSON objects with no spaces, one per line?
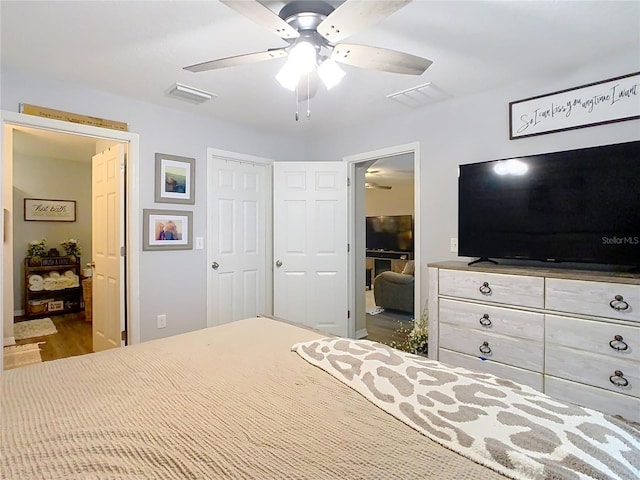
{"x":383,"y":260}
{"x":482,"y":259}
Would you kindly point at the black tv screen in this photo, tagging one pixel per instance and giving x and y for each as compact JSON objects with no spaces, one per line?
{"x":390,"y":232}
{"x":578,"y":206}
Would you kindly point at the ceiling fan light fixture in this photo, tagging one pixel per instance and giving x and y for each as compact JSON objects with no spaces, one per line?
{"x":330,"y":73}
{"x":288,"y":76}
{"x":303,"y":57}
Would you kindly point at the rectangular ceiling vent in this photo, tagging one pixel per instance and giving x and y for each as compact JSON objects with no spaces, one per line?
{"x":419,"y":96}
{"x":190,"y":94}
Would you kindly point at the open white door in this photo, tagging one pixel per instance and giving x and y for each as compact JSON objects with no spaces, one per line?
{"x":107,"y":241}
{"x":237,"y":240}
{"x":310,"y":244}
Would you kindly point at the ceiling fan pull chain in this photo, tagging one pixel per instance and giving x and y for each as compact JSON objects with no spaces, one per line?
{"x":297,"y":101}
{"x":308,"y":98}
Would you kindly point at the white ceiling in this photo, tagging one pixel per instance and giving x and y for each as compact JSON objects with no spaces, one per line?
{"x":138,"y":48}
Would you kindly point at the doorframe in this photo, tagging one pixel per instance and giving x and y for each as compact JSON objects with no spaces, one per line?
{"x":132,"y":207}
{"x":354,"y":194}
{"x":214,"y":154}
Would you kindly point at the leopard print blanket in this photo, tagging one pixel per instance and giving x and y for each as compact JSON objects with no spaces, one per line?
{"x":510,"y":428}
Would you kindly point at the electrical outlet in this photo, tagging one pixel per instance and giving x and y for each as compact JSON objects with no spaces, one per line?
{"x":161,"y":321}
{"x":454,"y":245}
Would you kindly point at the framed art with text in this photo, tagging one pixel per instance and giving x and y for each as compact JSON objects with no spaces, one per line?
{"x":608,"y":101}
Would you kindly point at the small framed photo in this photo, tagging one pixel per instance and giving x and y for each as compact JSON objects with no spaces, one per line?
{"x":175,"y":179}
{"x":167,"y":229}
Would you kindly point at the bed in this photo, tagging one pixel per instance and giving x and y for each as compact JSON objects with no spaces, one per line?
{"x":246,"y":400}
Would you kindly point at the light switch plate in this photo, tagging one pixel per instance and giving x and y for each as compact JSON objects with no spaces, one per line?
{"x":199,"y":243}
{"x":454,"y":245}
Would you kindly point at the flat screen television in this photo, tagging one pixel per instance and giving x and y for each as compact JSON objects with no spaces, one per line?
{"x":390,"y":232}
{"x":579,"y":206}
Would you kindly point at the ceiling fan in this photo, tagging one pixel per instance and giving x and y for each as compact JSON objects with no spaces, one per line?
{"x":374,"y":185}
{"x":314,"y":30}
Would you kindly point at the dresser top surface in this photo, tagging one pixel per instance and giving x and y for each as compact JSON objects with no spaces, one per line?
{"x":571,"y":274}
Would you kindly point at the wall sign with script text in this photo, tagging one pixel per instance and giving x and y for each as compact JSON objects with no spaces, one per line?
{"x":608,"y":101}
{"x":37,"y":209}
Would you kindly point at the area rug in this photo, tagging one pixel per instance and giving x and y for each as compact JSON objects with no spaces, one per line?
{"x":33,"y":328}
{"x":21,"y":355}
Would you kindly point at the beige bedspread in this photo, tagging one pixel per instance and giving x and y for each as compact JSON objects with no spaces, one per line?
{"x":225,"y":402}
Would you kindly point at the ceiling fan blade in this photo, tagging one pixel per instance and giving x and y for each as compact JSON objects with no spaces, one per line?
{"x":237,"y":60}
{"x":355,"y":15}
{"x":376,"y":58}
{"x":264,"y":17}
{"x":374,"y":185}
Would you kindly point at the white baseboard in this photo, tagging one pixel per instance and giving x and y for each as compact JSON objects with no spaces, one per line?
{"x":361,"y":333}
{"x":8,"y":341}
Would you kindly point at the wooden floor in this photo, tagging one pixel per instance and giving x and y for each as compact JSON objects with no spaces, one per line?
{"x":74,"y":337}
{"x":384,"y":328}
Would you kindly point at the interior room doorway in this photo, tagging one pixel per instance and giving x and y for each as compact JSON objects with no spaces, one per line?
{"x":359,"y":164}
{"x":15,"y":128}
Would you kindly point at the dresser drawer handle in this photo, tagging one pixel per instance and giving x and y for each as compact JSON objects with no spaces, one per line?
{"x":485,"y":348}
{"x":618,"y":304}
{"x":618,"y":344}
{"x":485,"y":321}
{"x":485,"y":289}
{"x":618,"y":379}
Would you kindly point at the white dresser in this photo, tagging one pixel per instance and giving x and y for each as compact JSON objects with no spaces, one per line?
{"x":572,"y":334}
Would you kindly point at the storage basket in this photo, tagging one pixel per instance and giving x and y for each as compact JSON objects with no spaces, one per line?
{"x":87,"y":295}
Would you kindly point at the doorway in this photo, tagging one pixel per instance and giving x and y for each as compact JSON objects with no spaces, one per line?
{"x":52,"y":287}
{"x":357,"y":213}
{"x":100,"y":138}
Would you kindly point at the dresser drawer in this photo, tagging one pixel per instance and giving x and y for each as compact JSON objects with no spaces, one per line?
{"x":492,"y":319}
{"x":493,"y":287}
{"x":592,"y":397}
{"x":500,"y":348}
{"x":518,"y":375}
{"x":612,"y":300}
{"x":593,"y":369}
{"x":609,"y":339}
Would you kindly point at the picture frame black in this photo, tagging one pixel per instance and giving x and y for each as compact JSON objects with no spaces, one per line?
{"x":608,"y":101}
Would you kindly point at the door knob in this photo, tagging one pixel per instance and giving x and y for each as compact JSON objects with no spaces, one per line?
{"x":278,"y":263}
{"x":215,"y":265}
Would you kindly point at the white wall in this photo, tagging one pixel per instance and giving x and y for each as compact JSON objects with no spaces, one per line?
{"x":472,"y":129}
{"x":171,"y":283}
{"x":49,"y":179}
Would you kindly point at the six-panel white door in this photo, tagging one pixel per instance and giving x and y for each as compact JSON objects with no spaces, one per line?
{"x":237,"y":241}
{"x":106,"y":242}
{"x":310,"y":244}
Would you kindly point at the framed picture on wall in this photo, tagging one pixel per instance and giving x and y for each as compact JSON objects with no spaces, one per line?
{"x":167,"y":229}
{"x":175,"y":179}
{"x":43,"y":210}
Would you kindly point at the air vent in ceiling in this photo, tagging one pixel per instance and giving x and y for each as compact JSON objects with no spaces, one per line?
{"x":191,"y":94}
{"x":419,"y":96}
